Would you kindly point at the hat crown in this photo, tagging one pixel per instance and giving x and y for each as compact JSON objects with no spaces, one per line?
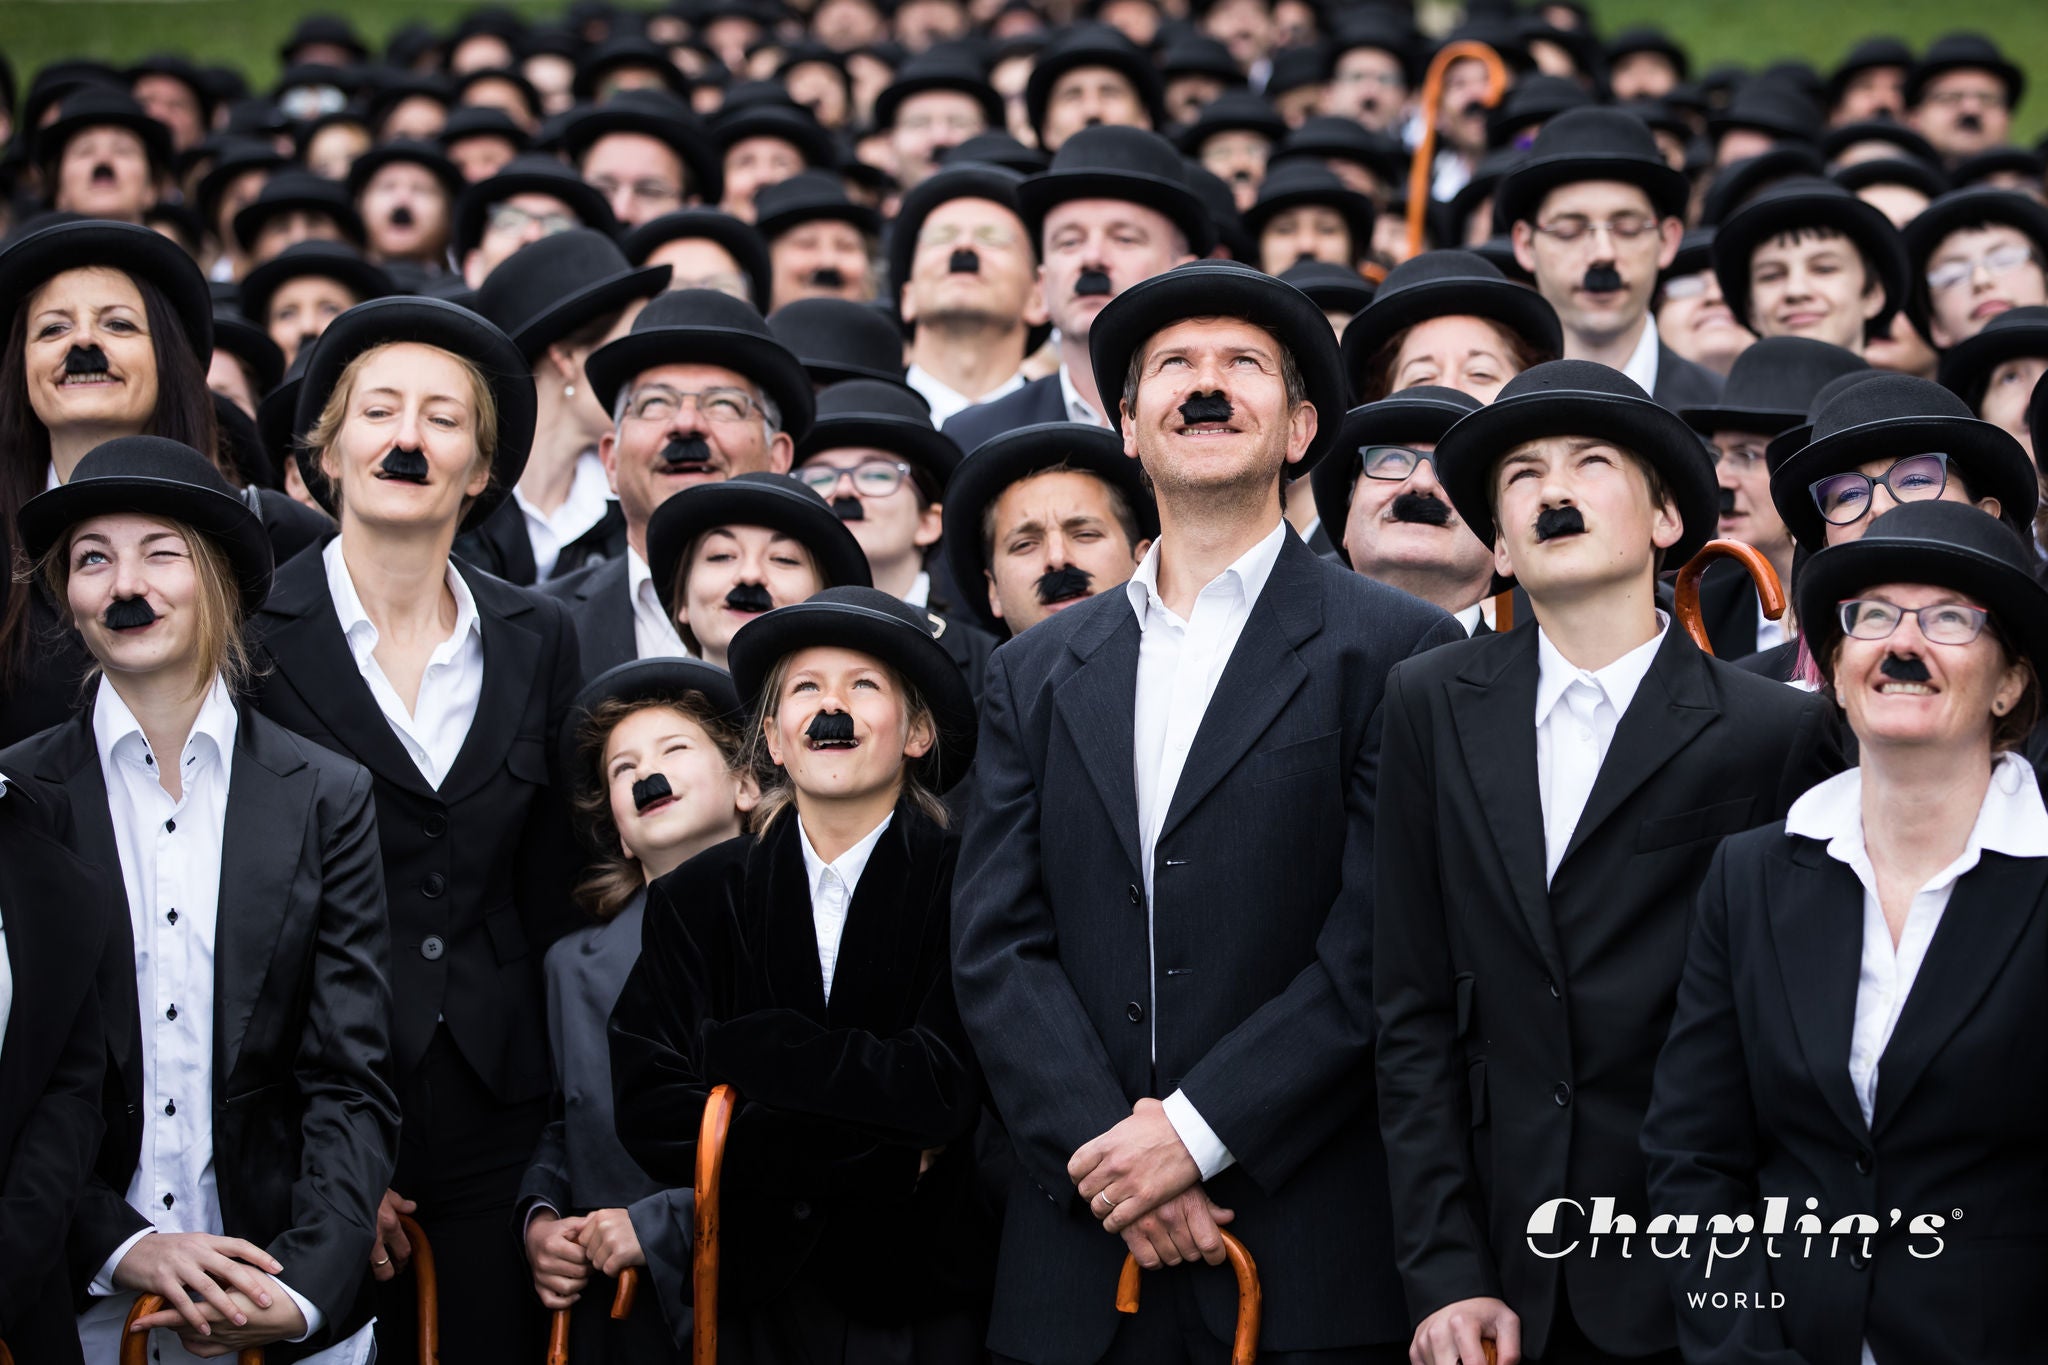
{"x":1571,"y":376}
{"x":838,"y":330}
{"x":870,"y":398}
{"x":1955,"y":524}
{"x":1431,"y":266}
{"x":1784,"y":374}
{"x":1596,"y":132}
{"x":1295,"y":178}
{"x":1889,"y":397}
{"x":548,"y":271}
{"x":150,"y":457}
{"x":886,"y":604}
{"x":297,"y":184}
{"x":1108,"y":147}
{"x":699,"y":308}
{"x":804,"y":190}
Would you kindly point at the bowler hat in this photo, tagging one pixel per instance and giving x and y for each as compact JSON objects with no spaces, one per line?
{"x":1956,"y":212}
{"x":1533,"y":100}
{"x":238,"y":156}
{"x":298,"y":192}
{"x":938,"y":70}
{"x":634,"y":682}
{"x":661,"y":116}
{"x":549,"y":288}
{"x":798,"y":127}
{"x":1233,"y":111}
{"x":1341,"y":139}
{"x":335,"y":261}
{"x":704,"y":327}
{"x":954,"y":180}
{"x":1772,"y":385}
{"x":1591,"y":144}
{"x":426,"y":155}
{"x":30,"y":260}
{"x":95,"y":106}
{"x":1872,"y":54}
{"x":2017,"y":333}
{"x":1129,"y":164}
{"x":1091,"y":44}
{"x":776,"y":501}
{"x":809,"y":197}
{"x":1767,"y":105}
{"x":738,"y":238}
{"x":1923,"y":176}
{"x":1840,"y":139}
{"x":1412,"y":416}
{"x":1632,"y":41}
{"x":1300,"y":184}
{"x":527,"y":173}
{"x":1332,"y":288}
{"x":251,"y":345}
{"x":329,"y":29}
{"x":997,"y":149}
{"x":1738,"y":182}
{"x":1964,"y":52}
{"x":1447,"y":284}
{"x":617,"y":53}
{"x":837,"y":339}
{"x":1806,"y":203}
{"x":877,"y":415}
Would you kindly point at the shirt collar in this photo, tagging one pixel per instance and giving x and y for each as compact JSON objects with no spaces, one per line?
{"x":1642,"y":366}
{"x":920,"y":594}
{"x":637,"y":572}
{"x":1075,"y":408}
{"x":1618,"y":681}
{"x":1248,"y":574}
{"x":1469,"y":618}
{"x":356,"y":624}
{"x":848,"y":865}
{"x":590,"y":497}
{"x":2012,"y":820}
{"x":117,"y":733}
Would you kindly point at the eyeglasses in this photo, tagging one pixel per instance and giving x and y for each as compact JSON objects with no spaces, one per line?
{"x":1629,"y":227}
{"x":1951,"y":99}
{"x":512,"y":218}
{"x":871,"y":478}
{"x":1742,"y":459}
{"x":1687,"y":286}
{"x":659,"y":403}
{"x":1947,"y":623}
{"x":1844,"y":499}
{"x":2000,"y":261}
{"x":646,"y":191}
{"x":991,"y":235}
{"x":1392,"y":463}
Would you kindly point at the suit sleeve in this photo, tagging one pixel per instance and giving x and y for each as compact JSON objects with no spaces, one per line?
{"x":1047,"y":1069}
{"x":1701,"y":1144}
{"x":546,"y":1182}
{"x":343,"y":1071}
{"x":665,"y":1223}
{"x":658,"y":1085}
{"x":1817,"y":752}
{"x":1425,"y":1109}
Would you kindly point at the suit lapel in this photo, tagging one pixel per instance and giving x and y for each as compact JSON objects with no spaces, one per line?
{"x":1099,"y":704}
{"x":1674,"y":703}
{"x":1816,"y":916}
{"x":1991,"y":906}
{"x":511,"y":662}
{"x":779,"y":891}
{"x":878,"y":948}
{"x":612,"y":613}
{"x":266,"y":825}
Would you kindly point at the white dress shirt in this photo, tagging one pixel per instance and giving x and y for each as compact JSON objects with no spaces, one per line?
{"x":654,"y":631}
{"x":1179,"y":664}
{"x":832,"y":886}
{"x":1576,"y":713}
{"x":1643,"y":364}
{"x":433,"y":728}
{"x":1077,"y":408}
{"x":920,"y":594}
{"x":1769,"y":634}
{"x":945,"y":400}
{"x":590,"y":497}
{"x":1469,"y":619}
{"x":2011,"y":820}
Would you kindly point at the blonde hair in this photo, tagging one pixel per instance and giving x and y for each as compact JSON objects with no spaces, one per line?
{"x":317,"y":441}
{"x":778,"y":791}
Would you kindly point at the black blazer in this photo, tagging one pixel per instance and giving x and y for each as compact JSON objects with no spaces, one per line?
{"x":837,"y":1101}
{"x":502,"y":547}
{"x":477,"y":872}
{"x":597,"y":602}
{"x":1518,"y":1024}
{"x":58,"y":911}
{"x":1038,"y":401}
{"x":1753,"y":1100}
{"x":305,"y":1123}
{"x":1728,"y":610}
{"x":1683,"y":384}
{"x":1261,"y":918}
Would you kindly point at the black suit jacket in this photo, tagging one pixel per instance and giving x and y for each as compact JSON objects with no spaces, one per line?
{"x":1261,"y":922}
{"x":1753,"y":1101}
{"x":1683,"y":384}
{"x":305,"y":1123}
{"x":597,"y":602}
{"x":58,"y":910}
{"x":1038,"y":401}
{"x":1518,"y":1024}
{"x":477,"y":871}
{"x":501,"y":545}
{"x":1728,"y":610}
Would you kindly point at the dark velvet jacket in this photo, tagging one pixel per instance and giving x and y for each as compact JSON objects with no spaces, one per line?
{"x":837,"y":1102}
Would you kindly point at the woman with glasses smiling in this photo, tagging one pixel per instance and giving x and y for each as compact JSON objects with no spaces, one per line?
{"x":1861,"y":1035}
{"x":1975,"y":254}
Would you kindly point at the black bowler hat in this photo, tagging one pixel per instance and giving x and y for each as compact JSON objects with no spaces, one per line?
{"x":1090,"y":44}
{"x":158,"y":478}
{"x":528,"y":173}
{"x":1738,"y":182}
{"x":329,"y":260}
{"x":476,"y":120}
{"x":809,"y":197}
{"x":1129,"y":164}
{"x":1221,"y":202}
{"x":640,"y":681}
{"x":1533,"y":100}
{"x":1343,"y":139}
{"x":427,"y":322}
{"x":738,"y":238}
{"x":777,"y":501}
{"x":1298,"y":184}
{"x":433,"y":86}
{"x":1772,"y":385}
{"x":1935,"y":544}
{"x":837,"y":340}
{"x":404,"y":152}
{"x":997,"y":149}
{"x":1448,"y":284}
{"x":1805,"y":203}
{"x":460,"y":86}
{"x":869,"y":621}
{"x":238,"y":156}
{"x":252,"y":346}
{"x":1297,"y":68}
{"x":1891,"y":417}
{"x":2037,"y":408}
{"x":1958,"y":211}
{"x":1012,"y":457}
{"x":298,"y":192}
{"x":1923,"y":176}
{"x":1486,"y":177}
{"x":1695,"y":255}
{"x":1579,"y":398}
{"x":1776,"y":107}
{"x":1332,"y":288}
{"x":786,"y":122}
{"x":1976,"y":171}
{"x":1632,"y":41}
{"x":1591,"y":144}
{"x":1792,"y":440}
{"x":879,"y":415}
{"x":1964,"y":52}
{"x":30,"y":260}
{"x":182,"y":71}
{"x":1420,"y":415}
{"x":1223,"y":289}
{"x":549,"y":288}
{"x":1883,"y":130}
{"x":954,"y":180}
{"x":661,"y":116}
{"x":626,"y":50}
{"x":1871,"y":54}
{"x":938,"y":70}
{"x":2017,"y":333}
{"x":96,"y":106}
{"x":1233,"y":111}
{"x":323,"y":28}
{"x":1197,"y":54}
{"x":705,"y":327}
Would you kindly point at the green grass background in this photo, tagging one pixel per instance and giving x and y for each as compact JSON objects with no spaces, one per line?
{"x":247,"y":32}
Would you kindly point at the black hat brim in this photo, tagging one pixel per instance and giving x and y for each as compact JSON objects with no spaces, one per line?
{"x":642,"y":680}
{"x":2016,"y":601}
{"x":232,"y":524}
{"x":1990,"y":461}
{"x":1039,"y":195}
{"x":365,"y":167}
{"x":1356,"y":210}
{"x":156,"y":138}
{"x":813,"y":142}
{"x":593,"y":301}
{"x":1393,"y":420}
{"x":1966,"y":367}
{"x":31,"y":261}
{"x":1522,"y":311}
{"x":892,"y":97}
{"x":859,"y":217}
{"x":251,"y":345}
{"x":760,"y":358}
{"x":360,"y":277}
{"x":934,"y":454}
{"x":692,"y":145}
{"x":1753,"y":421}
{"x":583,"y":200}
{"x":1522,"y":190}
{"x":249,"y":221}
{"x":1761,"y":220}
{"x":739,"y":239}
{"x":809,"y":519}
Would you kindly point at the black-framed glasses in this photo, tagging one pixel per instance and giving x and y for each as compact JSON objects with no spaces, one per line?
{"x":1844,"y":499}
{"x":1944,"y":623}
{"x":1392,"y":463}
{"x":871,"y":478}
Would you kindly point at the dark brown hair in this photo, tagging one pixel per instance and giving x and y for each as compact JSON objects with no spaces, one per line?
{"x":1376,"y":379}
{"x":2009,"y":731}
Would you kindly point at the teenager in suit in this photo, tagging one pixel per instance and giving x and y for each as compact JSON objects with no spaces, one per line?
{"x":1561,"y":786}
{"x":449,"y":686}
{"x":1861,"y":1034}
{"x":656,"y":755}
{"x":808,"y":966}
{"x":1203,"y":738}
{"x":250,"y":1118}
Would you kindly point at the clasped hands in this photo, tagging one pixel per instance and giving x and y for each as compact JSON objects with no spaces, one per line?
{"x":219,"y":1294}
{"x":1141,"y":1183}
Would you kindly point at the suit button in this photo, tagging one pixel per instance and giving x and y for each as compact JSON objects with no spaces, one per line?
{"x":434,"y":826}
{"x":800,"y":1210}
{"x":1858,"y":1261}
{"x":1136,"y":899}
{"x":1562,"y":1094}
{"x":433,"y":884}
{"x":1135,"y":1012}
{"x":432,"y":948}
{"x":1863,"y":1163}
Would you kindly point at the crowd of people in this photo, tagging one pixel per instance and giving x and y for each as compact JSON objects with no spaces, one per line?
{"x":1081,"y":602}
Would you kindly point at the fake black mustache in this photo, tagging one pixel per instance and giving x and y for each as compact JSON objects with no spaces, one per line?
{"x":1901,"y":669}
{"x":829,"y":277}
{"x":1091,"y":283}
{"x":1063,"y":584}
{"x":128,"y":613}
{"x":685,"y":451}
{"x":1205,"y":407}
{"x":401,"y":216}
{"x":828,"y":727}
{"x":749,"y":597}
{"x":85,"y":360}
{"x":406,"y":466}
{"x":1553,"y":522}
{"x":102,"y":173}
{"x":1970,"y":123}
{"x":1602,"y":279}
{"x":849,"y":509}
{"x":964,"y":261}
{"x":1727,"y":501}
{"x":649,"y":790}
{"x":1422,"y":509}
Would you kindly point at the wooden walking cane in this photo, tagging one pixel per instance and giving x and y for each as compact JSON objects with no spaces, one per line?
{"x":558,"y":1325}
{"x":135,"y":1345}
{"x":1244,"y":1347}
{"x":427,"y":1287}
{"x":1421,"y":170}
{"x":711,"y":1134}
{"x":6,"y":1356}
{"x":1768,"y":590}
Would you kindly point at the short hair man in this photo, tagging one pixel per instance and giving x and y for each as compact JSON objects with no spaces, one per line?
{"x":645,"y":152}
{"x":821,"y":245}
{"x":531,"y":197}
{"x":1807,"y":258}
{"x":1961,"y":93}
{"x":1088,"y":76}
{"x":935,"y":103}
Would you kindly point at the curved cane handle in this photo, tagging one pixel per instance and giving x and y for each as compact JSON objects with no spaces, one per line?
{"x":427,"y":1289}
{"x":1424,"y":165}
{"x":1769,"y":591}
{"x":135,"y":1345}
{"x":558,"y":1321}
{"x":711,"y":1135}
{"x":1244,"y":1347}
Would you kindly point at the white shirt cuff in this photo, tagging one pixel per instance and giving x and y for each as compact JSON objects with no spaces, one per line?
{"x":1196,"y":1135}
{"x":312,"y":1314}
{"x":103,"y":1283}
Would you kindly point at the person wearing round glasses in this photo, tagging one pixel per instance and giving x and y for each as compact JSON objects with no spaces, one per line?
{"x":1861,"y":1026}
{"x":1975,"y":254}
